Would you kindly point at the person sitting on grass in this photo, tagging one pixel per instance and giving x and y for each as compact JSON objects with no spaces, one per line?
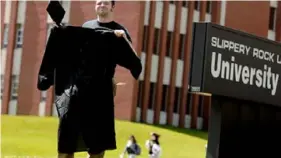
{"x":132,"y":148}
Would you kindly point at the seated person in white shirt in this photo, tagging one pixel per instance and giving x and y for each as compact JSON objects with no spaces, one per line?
{"x":153,"y":145}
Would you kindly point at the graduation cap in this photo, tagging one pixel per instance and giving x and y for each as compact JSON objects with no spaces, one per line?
{"x":56,"y":11}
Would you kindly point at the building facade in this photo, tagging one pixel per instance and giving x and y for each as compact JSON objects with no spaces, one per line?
{"x":162,"y":35}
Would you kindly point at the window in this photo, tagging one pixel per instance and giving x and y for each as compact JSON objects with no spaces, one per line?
{"x":197,"y":5}
{"x":49,"y":28}
{"x":156,"y":44}
{"x":185,"y":3}
{"x":209,"y":6}
{"x":2,"y":85}
{"x":200,"y":106}
{"x":144,"y":38}
{"x":272,"y":18}
{"x":140,"y":94}
{"x":6,"y":35}
{"x":15,"y":85}
{"x":188,"y":104}
{"x":177,"y":99}
{"x":181,"y":46}
{"x":172,"y":2}
{"x":169,"y":44}
{"x":19,"y":38}
{"x":151,"y":95}
{"x":43,"y":95}
{"x":164,"y":97}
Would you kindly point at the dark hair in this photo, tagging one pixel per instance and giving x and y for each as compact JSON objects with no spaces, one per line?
{"x":156,"y":141}
{"x":133,"y":139}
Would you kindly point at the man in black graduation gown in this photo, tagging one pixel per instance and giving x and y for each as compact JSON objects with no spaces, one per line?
{"x":80,"y":63}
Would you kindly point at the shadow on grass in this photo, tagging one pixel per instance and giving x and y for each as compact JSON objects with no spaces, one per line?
{"x":192,"y":132}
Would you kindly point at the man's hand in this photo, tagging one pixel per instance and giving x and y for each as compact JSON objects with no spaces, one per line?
{"x":120,"y":33}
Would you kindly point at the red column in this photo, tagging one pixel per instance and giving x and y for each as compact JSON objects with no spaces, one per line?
{"x":34,"y":42}
{"x":186,"y":64}
{"x":10,"y":57}
{"x":148,"y":61}
{"x":176,"y":43}
{"x":161,"y":61}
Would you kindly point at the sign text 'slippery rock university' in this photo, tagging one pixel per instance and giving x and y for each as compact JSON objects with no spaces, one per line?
{"x":232,"y":63}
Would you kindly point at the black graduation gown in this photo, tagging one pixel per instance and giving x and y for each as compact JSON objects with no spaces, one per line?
{"x":80,"y":63}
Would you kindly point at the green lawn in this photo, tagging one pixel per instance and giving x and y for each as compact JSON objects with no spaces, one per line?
{"x":36,"y":136}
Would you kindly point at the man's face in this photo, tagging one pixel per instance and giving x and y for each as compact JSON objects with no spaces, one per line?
{"x":103,"y":7}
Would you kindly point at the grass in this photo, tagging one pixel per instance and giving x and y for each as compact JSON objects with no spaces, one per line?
{"x":36,"y":136}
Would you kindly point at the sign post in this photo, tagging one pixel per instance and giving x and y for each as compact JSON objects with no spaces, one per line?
{"x":242,"y":72}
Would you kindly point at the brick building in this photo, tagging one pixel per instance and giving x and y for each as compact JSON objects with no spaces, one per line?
{"x":162,"y":35}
